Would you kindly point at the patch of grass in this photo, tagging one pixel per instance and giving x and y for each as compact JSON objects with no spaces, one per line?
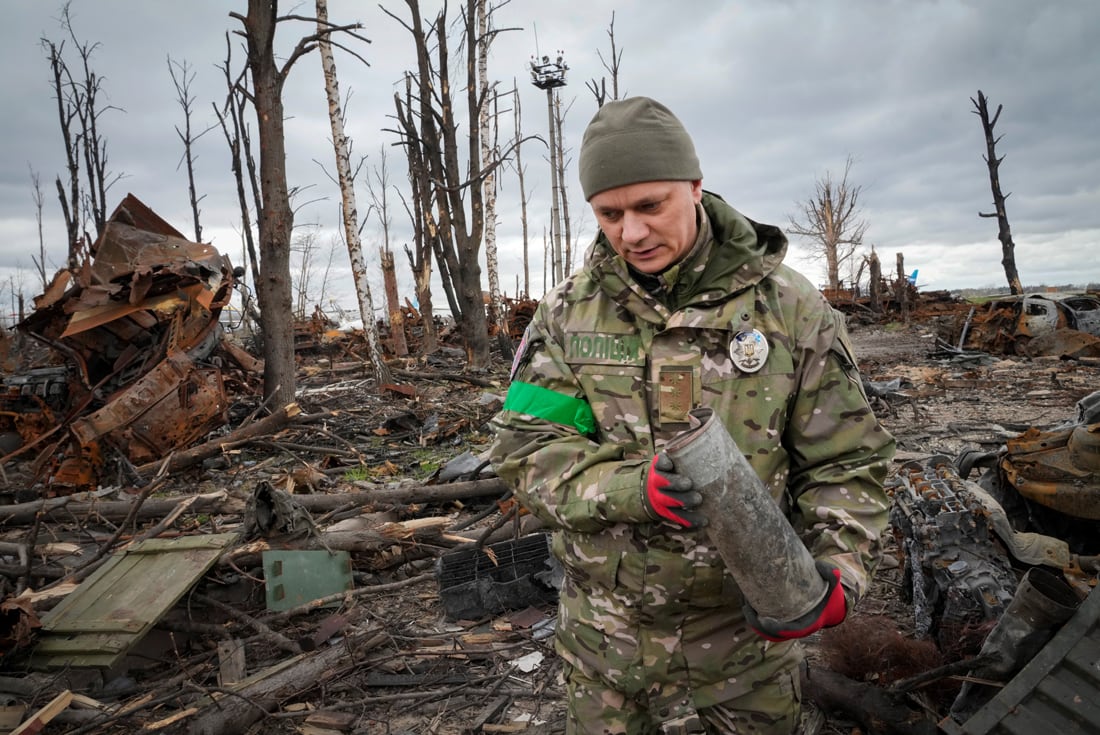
{"x":357,"y":474}
{"x":426,"y":462}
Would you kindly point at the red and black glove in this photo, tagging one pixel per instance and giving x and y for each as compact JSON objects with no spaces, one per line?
{"x":829,"y":612}
{"x":669,"y":497}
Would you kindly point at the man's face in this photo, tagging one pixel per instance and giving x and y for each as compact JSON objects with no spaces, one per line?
{"x":651,"y":224}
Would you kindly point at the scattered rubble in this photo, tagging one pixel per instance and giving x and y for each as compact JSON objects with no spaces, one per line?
{"x":350,"y":563}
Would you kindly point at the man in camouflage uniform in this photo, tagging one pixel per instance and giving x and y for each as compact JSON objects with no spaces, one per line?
{"x":682,"y":303}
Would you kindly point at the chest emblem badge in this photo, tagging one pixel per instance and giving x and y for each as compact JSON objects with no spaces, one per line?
{"x":749,"y":350}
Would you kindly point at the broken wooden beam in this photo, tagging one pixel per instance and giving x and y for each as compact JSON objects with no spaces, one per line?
{"x":260,"y":693}
{"x":185,"y":458}
{"x":223,"y":503}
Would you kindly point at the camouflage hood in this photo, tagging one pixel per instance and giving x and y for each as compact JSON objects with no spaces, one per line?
{"x":732,"y":253}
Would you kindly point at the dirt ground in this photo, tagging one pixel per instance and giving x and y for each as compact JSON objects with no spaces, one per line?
{"x":405,"y":669}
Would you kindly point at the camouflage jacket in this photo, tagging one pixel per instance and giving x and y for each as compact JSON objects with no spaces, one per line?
{"x":608,"y":371}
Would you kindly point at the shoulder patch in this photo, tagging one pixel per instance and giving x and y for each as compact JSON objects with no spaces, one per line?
{"x":521,"y":353}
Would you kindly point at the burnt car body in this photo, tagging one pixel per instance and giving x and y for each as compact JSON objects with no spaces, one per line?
{"x":131,"y":339}
{"x":1028,"y":324}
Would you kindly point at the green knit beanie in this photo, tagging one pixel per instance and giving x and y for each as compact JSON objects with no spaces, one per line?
{"x":634,"y":140}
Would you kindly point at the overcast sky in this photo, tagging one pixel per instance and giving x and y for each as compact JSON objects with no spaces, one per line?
{"x":777,"y":94}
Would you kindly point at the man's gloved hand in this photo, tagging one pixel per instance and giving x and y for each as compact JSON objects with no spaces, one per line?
{"x":668,"y":496}
{"x":829,"y":612}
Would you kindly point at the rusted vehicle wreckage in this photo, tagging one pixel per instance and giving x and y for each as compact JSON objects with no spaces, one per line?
{"x":1054,"y":323}
{"x":1004,"y":568}
{"x":136,"y":356}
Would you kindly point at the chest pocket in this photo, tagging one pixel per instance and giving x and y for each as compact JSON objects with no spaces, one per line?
{"x":618,"y":396}
{"x":757,"y":400}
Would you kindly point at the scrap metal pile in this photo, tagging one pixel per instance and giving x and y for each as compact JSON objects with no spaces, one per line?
{"x":136,"y":355}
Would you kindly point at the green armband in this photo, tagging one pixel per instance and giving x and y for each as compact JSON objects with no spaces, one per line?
{"x":549,"y":405}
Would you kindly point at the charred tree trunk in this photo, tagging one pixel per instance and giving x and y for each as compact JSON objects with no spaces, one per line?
{"x":70,"y":196}
{"x":875,"y":281}
{"x":423,"y":222}
{"x":380,"y":201}
{"x":276,"y":218}
{"x":468,"y":232}
{"x":399,"y":345}
{"x":458,"y":236}
{"x":1004,"y":232}
{"x":489,"y":151}
{"x":598,"y":87}
{"x":40,"y":259}
{"x":902,"y":289}
{"x":231,"y":119}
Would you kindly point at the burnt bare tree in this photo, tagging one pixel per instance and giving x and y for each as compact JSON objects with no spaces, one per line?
{"x":262,"y":86}
{"x":430,"y":124}
{"x":993,"y":162}
{"x":421,"y":215}
{"x":598,"y":87}
{"x":83,"y":197}
{"x":303,"y":249}
{"x":237,"y":134}
{"x":874,"y":291}
{"x":490,"y":150}
{"x":182,"y":77}
{"x":39,"y":200}
{"x":831,"y":221}
{"x":380,"y":203}
{"x":231,"y":118}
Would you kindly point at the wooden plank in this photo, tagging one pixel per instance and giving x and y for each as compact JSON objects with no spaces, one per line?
{"x":38,"y":720}
{"x":77,"y":598}
{"x":232,"y":664}
{"x":212,"y":542}
{"x":99,"y":626}
{"x":94,"y":643}
{"x":489,"y":714}
{"x":119,"y":603}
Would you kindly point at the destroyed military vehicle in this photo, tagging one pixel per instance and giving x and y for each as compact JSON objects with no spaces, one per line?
{"x":132,"y":368}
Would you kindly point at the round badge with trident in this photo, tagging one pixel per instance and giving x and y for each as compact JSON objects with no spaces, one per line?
{"x":749,"y":350}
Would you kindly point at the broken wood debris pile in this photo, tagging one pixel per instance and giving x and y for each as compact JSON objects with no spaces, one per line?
{"x":347,"y":563}
{"x":175,"y":606}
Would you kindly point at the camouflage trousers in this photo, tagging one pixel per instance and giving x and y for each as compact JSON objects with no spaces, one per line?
{"x":772,"y":707}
